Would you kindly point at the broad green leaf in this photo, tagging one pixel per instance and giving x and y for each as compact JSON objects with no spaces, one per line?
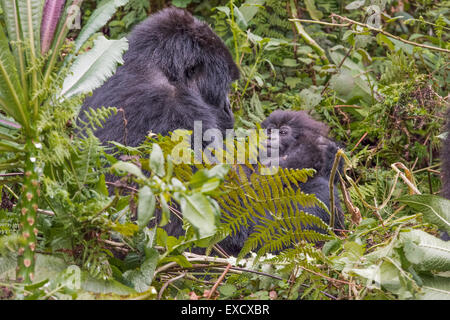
{"x":292,"y":82}
{"x":69,"y":278}
{"x":365,"y":55}
{"x":371,"y":274}
{"x":150,"y":235}
{"x":224,"y":9}
{"x":199,"y":178}
{"x":165,"y":211}
{"x":288,"y":62}
{"x":382,"y":39}
{"x":435,"y":209}
{"x":128,"y":168}
{"x":250,"y":8}
{"x":181,"y":3}
{"x":435,"y":288}
{"x":355,"y":4}
{"x":358,"y":72}
{"x":204,"y":176}
{"x":142,"y":278}
{"x":101,"y":187}
{"x":211,"y":185}
{"x":92,"y":68}
{"x":200,"y":213}
{"x":310,"y":98}
{"x":100,"y":286}
{"x":101,"y":15}
{"x":392,"y":278}
{"x":312,"y":10}
{"x":331,"y":246}
{"x":220,"y":171}
{"x":227,"y":289}
{"x":425,"y":251}
{"x":181,"y":260}
{"x":343,"y":83}
{"x":146,"y":206}
{"x":240,"y":19}
{"x":157,"y":160}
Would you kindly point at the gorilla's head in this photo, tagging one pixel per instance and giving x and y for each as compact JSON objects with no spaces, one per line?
{"x":294,"y":127}
{"x":189,"y":56}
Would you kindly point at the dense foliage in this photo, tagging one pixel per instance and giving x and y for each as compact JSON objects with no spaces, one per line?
{"x":375,"y":71}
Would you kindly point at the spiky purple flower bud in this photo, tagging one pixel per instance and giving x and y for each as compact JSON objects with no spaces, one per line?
{"x":50,"y":18}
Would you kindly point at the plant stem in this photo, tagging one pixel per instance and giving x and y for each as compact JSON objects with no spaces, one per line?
{"x":306,"y":37}
{"x":337,"y":159}
{"x":28,"y":212}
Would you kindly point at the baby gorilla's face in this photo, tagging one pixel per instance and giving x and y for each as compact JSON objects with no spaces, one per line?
{"x":297,"y":141}
{"x":280,"y":137}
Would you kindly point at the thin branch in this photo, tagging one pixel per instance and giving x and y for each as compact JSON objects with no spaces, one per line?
{"x":337,"y":68}
{"x":396,"y":166}
{"x":169,"y":282}
{"x":11,"y":174}
{"x":306,"y":37}
{"x":222,"y":276}
{"x":333,"y":15}
{"x":322,"y":22}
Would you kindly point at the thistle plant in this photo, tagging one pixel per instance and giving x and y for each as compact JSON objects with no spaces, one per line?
{"x":31,"y":70}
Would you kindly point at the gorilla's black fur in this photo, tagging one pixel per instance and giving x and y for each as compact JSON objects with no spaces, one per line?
{"x":445,"y":157}
{"x":176,"y":70}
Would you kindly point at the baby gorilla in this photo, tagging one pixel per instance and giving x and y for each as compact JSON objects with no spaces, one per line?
{"x":302,"y":141}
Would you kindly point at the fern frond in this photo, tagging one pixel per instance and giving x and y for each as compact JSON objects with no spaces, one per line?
{"x":300,"y":254}
{"x":275,"y":233}
{"x":95,"y":117}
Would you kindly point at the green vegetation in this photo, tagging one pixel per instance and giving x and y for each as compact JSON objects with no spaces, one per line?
{"x":376,"y":72}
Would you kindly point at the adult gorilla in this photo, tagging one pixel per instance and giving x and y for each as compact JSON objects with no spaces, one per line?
{"x":176,"y":70}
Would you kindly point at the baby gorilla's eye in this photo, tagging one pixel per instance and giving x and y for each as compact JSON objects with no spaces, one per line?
{"x":284,"y":132}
